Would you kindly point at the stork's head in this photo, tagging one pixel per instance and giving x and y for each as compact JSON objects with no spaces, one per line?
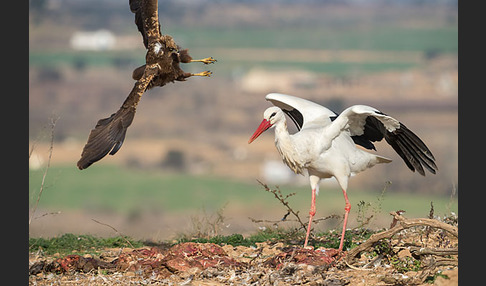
{"x":271,"y":116}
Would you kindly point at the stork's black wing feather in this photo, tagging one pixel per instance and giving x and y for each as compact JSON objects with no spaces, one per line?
{"x":296,"y":117}
{"x":373,"y":131}
{"x":370,"y":130}
{"x":412,"y":150}
{"x":408,"y":146}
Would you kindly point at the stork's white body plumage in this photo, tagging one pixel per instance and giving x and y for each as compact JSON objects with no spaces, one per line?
{"x":335,"y":157}
{"x":325,"y":144}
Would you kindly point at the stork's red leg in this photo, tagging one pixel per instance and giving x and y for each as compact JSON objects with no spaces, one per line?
{"x":312,"y":212}
{"x":347,"y":208}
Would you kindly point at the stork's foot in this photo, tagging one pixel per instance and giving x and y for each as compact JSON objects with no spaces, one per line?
{"x":206,"y":61}
{"x":204,"y":73}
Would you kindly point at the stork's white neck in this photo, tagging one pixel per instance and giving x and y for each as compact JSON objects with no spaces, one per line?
{"x":286,"y":148}
{"x":282,"y":137}
{"x":281,"y":129}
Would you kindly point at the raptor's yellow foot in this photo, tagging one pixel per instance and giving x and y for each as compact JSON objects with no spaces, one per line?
{"x":204,"y":73}
{"x":206,"y":61}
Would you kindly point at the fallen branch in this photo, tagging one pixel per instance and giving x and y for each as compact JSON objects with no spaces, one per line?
{"x":434,"y":251}
{"x":445,"y":262}
{"x":358,"y":268}
{"x":276,"y":222}
{"x":402,"y":224}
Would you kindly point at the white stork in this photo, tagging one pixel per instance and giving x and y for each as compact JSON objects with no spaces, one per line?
{"x":325,"y":144}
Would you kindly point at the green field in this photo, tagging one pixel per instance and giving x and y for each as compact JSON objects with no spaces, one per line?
{"x":124,"y":190}
{"x":429,"y":41}
{"x":444,"y":39}
{"x":88,"y":58}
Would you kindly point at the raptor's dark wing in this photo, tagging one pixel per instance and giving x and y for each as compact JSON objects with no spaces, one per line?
{"x":146,"y":18}
{"x":109,"y":133}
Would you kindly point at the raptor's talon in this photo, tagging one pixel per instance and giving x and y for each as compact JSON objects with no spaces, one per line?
{"x":206,"y":61}
{"x":204,"y":73}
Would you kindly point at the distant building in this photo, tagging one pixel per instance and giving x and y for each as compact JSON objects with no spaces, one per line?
{"x":99,"y":40}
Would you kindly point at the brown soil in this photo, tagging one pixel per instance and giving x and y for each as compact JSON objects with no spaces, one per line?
{"x":410,"y":253}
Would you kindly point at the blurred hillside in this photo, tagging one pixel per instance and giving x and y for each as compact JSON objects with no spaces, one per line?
{"x":398,"y":57}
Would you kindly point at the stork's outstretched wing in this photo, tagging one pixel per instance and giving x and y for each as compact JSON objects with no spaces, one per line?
{"x":365,"y":124}
{"x":371,"y":125}
{"x":318,"y":114}
{"x":303,"y":112}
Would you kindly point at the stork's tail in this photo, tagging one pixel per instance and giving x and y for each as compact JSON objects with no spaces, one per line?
{"x":380,"y":159}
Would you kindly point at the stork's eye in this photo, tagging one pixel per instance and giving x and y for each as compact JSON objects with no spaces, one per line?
{"x":273,"y":114}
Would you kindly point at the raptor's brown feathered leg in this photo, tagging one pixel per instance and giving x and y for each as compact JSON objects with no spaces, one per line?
{"x":186,"y":58}
{"x":138,"y":72}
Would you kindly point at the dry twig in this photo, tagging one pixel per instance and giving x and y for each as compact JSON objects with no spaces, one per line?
{"x":115,"y":231}
{"x":403,"y":223}
{"x":46,"y":214}
{"x":51,"y":148}
{"x":276,"y":222}
{"x":278,"y":195}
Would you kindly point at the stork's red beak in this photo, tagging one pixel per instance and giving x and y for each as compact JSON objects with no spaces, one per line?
{"x":262,"y":128}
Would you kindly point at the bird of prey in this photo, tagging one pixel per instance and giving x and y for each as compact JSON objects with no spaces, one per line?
{"x":162,"y":65}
